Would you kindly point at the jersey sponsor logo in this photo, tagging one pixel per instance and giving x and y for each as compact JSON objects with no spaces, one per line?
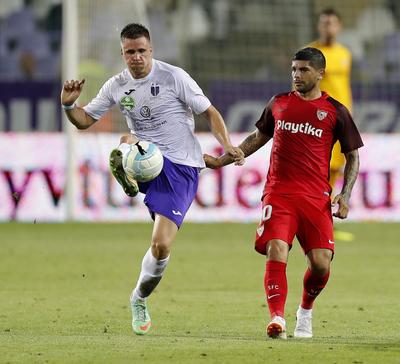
{"x":295,"y":128}
{"x":127,"y":102}
{"x":155,"y":89}
{"x":129,"y":92}
{"x":145,"y":111}
{"x":321,"y":114}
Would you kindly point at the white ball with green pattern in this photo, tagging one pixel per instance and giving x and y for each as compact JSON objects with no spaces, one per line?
{"x":143,"y":161}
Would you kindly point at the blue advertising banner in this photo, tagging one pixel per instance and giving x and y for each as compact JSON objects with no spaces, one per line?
{"x":34,"y":106}
{"x":30,"y":105}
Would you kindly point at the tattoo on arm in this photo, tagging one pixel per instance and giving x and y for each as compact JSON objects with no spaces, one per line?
{"x":253,"y":142}
{"x":350,"y":172}
{"x":225,"y":159}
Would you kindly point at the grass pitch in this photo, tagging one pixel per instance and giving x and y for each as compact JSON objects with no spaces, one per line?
{"x":65,"y":297}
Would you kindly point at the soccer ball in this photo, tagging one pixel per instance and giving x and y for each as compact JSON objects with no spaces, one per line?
{"x":143,"y":161}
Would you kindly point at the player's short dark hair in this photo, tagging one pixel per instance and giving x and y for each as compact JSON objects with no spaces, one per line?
{"x":313,"y":55}
{"x":330,"y":12}
{"x":134,"y":31}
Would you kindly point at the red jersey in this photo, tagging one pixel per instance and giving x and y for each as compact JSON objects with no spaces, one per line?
{"x":304,"y":132}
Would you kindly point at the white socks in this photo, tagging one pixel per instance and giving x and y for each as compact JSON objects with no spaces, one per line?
{"x":304,"y":312}
{"x":150,"y":275}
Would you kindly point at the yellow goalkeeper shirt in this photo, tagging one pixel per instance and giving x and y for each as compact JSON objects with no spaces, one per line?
{"x":336,"y":81}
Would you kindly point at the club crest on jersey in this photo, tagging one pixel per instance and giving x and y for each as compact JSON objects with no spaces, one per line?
{"x":155,"y":89}
{"x":321,"y":114}
{"x":127,"y":102}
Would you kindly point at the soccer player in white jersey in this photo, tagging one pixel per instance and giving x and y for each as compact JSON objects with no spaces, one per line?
{"x":158,"y":101}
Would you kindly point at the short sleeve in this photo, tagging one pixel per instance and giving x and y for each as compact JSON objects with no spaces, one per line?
{"x":266,"y":123}
{"x":101,"y":103}
{"x":189,"y":92}
{"x":346,"y":131}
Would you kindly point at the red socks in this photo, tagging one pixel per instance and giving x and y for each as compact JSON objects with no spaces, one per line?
{"x":275,"y":284}
{"x":313,"y":285}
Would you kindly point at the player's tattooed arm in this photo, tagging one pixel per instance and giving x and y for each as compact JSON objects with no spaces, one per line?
{"x":252,"y":143}
{"x":350,"y":175}
{"x":350,"y":171}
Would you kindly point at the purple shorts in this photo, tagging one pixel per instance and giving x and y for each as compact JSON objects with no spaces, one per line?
{"x":172,"y":192}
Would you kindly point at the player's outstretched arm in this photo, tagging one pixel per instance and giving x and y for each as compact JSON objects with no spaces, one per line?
{"x":350,"y":175}
{"x":75,"y":114}
{"x":218,"y":128}
{"x":252,"y":143}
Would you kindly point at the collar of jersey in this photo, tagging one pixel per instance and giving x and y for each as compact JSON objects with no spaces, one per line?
{"x":324,"y":95}
{"x":146,"y":78}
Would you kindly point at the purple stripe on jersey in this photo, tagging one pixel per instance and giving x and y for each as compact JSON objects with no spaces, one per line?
{"x":172,"y":192}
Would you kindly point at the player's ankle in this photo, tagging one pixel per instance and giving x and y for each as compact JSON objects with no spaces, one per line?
{"x":304,"y":311}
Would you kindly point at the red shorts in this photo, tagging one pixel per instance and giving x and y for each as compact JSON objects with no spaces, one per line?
{"x":284,"y":217}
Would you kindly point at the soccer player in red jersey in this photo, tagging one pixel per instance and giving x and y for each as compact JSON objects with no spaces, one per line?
{"x":296,"y":201}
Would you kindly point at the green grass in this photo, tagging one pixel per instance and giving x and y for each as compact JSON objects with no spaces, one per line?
{"x":64,"y":297}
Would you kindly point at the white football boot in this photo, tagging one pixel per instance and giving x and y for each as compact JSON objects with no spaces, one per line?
{"x":276,"y":329}
{"x":303,"y":328}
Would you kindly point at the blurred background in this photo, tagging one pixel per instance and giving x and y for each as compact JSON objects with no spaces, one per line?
{"x":239,"y":52}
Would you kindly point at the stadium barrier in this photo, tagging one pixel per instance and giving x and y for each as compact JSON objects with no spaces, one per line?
{"x":33,"y":175}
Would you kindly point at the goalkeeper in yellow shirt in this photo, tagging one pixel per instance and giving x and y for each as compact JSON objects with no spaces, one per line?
{"x":336,"y":82}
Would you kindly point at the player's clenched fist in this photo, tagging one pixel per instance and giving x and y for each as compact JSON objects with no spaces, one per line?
{"x":343,"y":206}
{"x":237,"y":154}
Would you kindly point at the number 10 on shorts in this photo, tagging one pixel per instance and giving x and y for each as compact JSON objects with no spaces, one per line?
{"x":266,"y":212}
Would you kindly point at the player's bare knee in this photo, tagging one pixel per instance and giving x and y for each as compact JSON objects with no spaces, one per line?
{"x":320,"y":269}
{"x":277,"y":250}
{"x":320,"y":261}
{"x":125,"y":139}
{"x":160,"y":249}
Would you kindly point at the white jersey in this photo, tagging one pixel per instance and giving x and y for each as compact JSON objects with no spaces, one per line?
{"x":157,"y":108}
